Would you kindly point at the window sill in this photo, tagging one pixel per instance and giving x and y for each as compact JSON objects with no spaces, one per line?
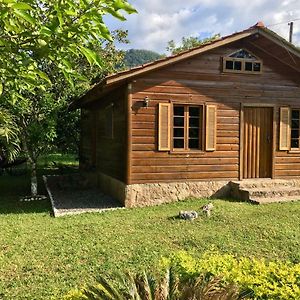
{"x":186,"y":152}
{"x":224,"y":72}
{"x":294,"y":151}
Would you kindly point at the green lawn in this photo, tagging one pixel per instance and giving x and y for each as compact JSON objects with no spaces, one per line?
{"x":42,"y":257}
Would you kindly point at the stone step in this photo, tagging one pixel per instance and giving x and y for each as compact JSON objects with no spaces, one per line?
{"x":273,"y":192}
{"x":274,"y":200}
{"x":265,"y":183}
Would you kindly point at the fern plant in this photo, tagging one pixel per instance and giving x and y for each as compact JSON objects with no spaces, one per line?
{"x":169,"y":287}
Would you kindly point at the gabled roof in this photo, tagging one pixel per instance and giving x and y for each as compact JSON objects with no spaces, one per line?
{"x":123,"y":77}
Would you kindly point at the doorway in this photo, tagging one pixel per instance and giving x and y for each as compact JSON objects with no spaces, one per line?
{"x":257,"y":144}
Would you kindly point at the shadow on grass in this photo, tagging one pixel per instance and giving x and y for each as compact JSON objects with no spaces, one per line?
{"x":14,"y":187}
{"x":13,"y":206}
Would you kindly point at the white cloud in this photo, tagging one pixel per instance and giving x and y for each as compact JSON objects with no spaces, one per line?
{"x":159,"y":21}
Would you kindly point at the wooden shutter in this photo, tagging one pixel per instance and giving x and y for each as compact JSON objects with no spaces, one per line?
{"x":164,"y":126}
{"x":211,"y":128}
{"x":284,"y":131}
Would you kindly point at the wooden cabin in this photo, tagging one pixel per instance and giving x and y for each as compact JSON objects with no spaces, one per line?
{"x":186,"y":125}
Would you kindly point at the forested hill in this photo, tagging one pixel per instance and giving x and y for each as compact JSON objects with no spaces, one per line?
{"x":136,"y":57}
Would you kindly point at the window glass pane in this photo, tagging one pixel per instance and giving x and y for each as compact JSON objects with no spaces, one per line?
{"x":295,"y":134}
{"x":248,"y":66}
{"x":242,"y":54}
{"x":178,"y":111}
{"x":179,"y":121}
{"x":295,"y":114}
{"x":194,"y":143}
{"x":179,"y":132}
{"x":178,"y":143}
{"x":256,"y":67}
{"x":229,"y":65}
{"x":194,"y":111}
{"x":295,"y":143}
{"x":295,"y":124}
{"x":238,"y":65}
{"x":194,"y":132}
{"x":194,"y":122}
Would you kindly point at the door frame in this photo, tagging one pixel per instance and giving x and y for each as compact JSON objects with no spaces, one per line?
{"x":274,"y":138}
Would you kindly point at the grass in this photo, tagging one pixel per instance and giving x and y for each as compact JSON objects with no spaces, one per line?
{"x":42,"y":257}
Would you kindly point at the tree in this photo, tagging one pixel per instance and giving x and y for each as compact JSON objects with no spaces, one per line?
{"x":136,"y":57}
{"x":189,"y":43}
{"x":68,"y":122}
{"x":42,"y":41}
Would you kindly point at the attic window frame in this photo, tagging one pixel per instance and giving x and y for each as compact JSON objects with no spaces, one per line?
{"x":243,"y":61}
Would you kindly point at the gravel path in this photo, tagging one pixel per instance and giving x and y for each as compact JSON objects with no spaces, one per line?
{"x":69,"y":200}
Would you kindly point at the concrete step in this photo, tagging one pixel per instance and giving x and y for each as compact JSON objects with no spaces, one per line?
{"x":269,"y":192}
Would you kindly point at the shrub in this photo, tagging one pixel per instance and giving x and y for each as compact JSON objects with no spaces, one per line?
{"x":266,"y":280}
{"x":212,"y":276}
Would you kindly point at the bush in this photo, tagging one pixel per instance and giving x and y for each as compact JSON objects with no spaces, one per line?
{"x":266,"y":280}
{"x":212,"y":276}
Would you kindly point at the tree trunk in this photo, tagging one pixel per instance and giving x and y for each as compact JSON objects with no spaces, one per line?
{"x":34,"y":185}
{"x":32,"y":159}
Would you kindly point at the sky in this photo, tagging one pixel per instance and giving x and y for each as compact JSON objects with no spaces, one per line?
{"x":159,"y":21}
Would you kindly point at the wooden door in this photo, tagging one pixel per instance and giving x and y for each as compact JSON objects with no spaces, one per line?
{"x":257,"y":142}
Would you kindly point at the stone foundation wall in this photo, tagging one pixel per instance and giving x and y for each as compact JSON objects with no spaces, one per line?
{"x":147,"y":194}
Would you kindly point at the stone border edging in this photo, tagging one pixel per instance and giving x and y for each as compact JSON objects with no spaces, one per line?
{"x":55,"y":211}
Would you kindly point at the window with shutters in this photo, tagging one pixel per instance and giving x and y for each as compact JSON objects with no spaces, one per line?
{"x":242,"y":61}
{"x":295,"y":129}
{"x":187,"y":127}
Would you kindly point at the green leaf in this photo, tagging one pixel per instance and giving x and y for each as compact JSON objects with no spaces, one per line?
{"x":24,"y":15}
{"x":119,"y":4}
{"x":42,"y":42}
{"x":86,"y":53}
{"x":1,"y":88}
{"x":44,"y":76}
{"x":21,"y":6}
{"x":105,"y":32}
{"x":116,"y":14}
{"x":3,"y":12}
{"x":45,"y":31}
{"x":91,"y":56}
{"x":8,"y":1}
{"x":68,"y":78}
{"x":71,"y":13}
{"x":67,"y":63}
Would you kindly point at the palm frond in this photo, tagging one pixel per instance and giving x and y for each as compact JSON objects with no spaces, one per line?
{"x":9,"y":140}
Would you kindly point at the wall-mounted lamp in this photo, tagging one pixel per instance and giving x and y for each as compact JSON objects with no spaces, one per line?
{"x":146,"y":101}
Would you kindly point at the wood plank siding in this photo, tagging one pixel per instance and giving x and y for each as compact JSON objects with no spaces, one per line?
{"x":106,"y":154}
{"x":200,"y":81}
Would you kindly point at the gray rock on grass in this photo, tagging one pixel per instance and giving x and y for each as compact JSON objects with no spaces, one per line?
{"x":188,"y":215}
{"x":207,"y":208}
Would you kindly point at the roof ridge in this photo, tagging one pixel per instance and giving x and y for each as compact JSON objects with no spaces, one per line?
{"x":118,"y":78}
{"x":180,"y":53}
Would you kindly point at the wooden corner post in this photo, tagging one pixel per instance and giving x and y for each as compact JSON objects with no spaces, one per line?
{"x":128,"y":134}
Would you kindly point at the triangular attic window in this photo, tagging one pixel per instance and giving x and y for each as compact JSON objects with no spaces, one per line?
{"x":243,"y":54}
{"x":242,"y":61}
